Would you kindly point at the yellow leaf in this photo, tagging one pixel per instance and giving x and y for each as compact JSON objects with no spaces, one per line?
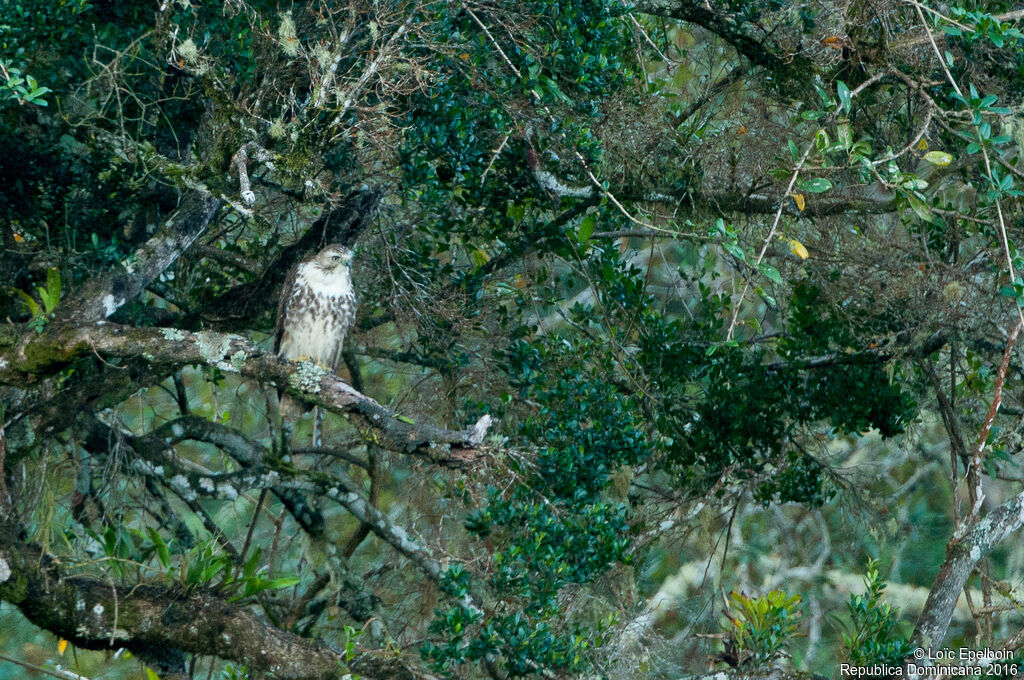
{"x":741,"y":130}
{"x":800,"y":201}
{"x":922,"y":145}
{"x":151,"y":674}
{"x":61,"y":646}
{"x":480,"y":257}
{"x":18,"y":238}
{"x":798,"y":249}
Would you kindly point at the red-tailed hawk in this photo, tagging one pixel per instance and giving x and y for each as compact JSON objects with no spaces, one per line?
{"x":315,"y":312}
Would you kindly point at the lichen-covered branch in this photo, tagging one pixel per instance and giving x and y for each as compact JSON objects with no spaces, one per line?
{"x":26,"y":356}
{"x":249,"y":454}
{"x":155,"y":462}
{"x":961,"y":555}
{"x":105,"y":294}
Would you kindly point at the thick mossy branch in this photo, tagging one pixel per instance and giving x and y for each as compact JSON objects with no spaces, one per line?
{"x":150,"y":618}
{"x":35,"y":356}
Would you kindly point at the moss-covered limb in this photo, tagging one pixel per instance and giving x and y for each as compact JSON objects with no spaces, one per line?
{"x":103,"y":295}
{"x":143,"y":618}
{"x":37,"y":355}
{"x":962,"y":553}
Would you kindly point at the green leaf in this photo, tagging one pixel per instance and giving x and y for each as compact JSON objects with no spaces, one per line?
{"x":938,"y":158}
{"x":586,"y":229}
{"x":516,"y":211}
{"x":735,"y":251}
{"x":26,"y":299}
{"x":480,"y":257}
{"x":821,"y":141}
{"x":816,"y":185}
{"x":278,"y":583}
{"x":920,"y":207}
{"x":1009,"y":291}
{"x":252,"y":564}
{"x":794,"y":150}
{"x":844,"y":95}
{"x":255,"y":586}
{"x":771,"y":273}
{"x":163,"y":555}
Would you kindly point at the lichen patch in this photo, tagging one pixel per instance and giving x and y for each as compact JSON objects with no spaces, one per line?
{"x":173,"y":334}
{"x":307,"y":376}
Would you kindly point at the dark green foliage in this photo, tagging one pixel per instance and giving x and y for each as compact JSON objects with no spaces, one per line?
{"x":630,"y":376}
{"x":643,"y":386}
{"x":761,"y":628}
{"x":873,"y":635}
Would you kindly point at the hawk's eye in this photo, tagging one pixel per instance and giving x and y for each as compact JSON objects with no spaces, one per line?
{"x":335,"y":257}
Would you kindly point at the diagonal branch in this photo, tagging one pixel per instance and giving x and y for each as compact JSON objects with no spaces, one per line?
{"x":962,"y":553}
{"x":105,"y":294}
{"x":154,"y":461}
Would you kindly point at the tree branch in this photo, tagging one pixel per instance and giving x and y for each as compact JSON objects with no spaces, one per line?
{"x":729,"y":26}
{"x":105,"y":294}
{"x":961,"y":556}
{"x":26,"y":356}
{"x":155,"y":462}
{"x":154,"y":620}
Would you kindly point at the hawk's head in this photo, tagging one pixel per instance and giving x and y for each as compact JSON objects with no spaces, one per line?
{"x":332,"y":257}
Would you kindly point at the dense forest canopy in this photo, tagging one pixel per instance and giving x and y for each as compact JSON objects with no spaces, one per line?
{"x":687,"y":337}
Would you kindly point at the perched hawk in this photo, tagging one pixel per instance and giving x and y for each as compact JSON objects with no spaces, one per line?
{"x":315,"y":312}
